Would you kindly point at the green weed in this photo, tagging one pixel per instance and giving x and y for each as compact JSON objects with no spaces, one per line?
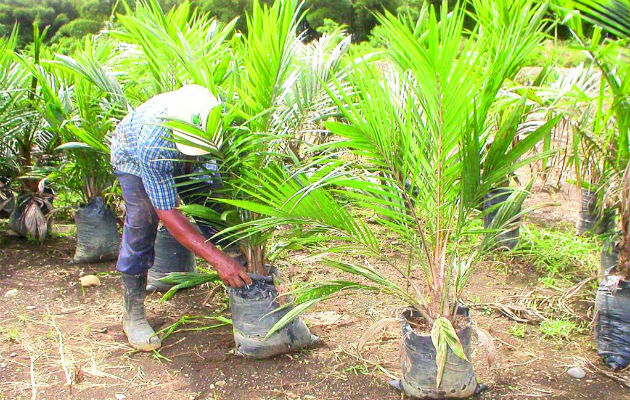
{"x":517,"y":331}
{"x":358,"y":369}
{"x":67,"y":198}
{"x":65,"y":231}
{"x":199,"y":323}
{"x":12,"y":335}
{"x":549,"y":282}
{"x":559,"y":328}
{"x":559,"y":256}
{"x":158,"y":356}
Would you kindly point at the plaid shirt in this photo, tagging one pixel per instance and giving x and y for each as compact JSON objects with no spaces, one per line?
{"x":141,"y":147}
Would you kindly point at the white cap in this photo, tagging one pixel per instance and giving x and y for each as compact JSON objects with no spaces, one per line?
{"x":192,"y":104}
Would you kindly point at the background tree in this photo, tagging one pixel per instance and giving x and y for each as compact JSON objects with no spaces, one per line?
{"x":340,"y":11}
{"x":23,"y":13}
{"x":227,"y":10}
{"x":364,"y":19}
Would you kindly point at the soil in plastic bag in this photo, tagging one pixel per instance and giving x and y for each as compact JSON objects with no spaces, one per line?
{"x":612,"y":322}
{"x":252,"y":318}
{"x":170,"y":256}
{"x":97,"y":233}
{"x":608,"y":258}
{"x":419,"y":368}
{"x":589,"y":220}
{"x":28,"y":218}
{"x":509,"y":238}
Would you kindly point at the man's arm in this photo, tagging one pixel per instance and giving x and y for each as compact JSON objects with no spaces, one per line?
{"x":231,"y":272}
{"x":155,"y":159}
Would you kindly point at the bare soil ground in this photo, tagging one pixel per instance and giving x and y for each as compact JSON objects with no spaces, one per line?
{"x":61,"y":341}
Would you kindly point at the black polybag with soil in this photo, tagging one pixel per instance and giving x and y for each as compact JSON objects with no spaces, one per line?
{"x":419,"y":367}
{"x":170,"y":256}
{"x":254,"y":314}
{"x":97,"y":233}
{"x":612,"y":321}
{"x":608,"y":258}
{"x":589,"y":219}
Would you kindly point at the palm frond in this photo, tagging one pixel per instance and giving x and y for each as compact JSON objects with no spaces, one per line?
{"x":166,"y":50}
{"x":611,"y":15}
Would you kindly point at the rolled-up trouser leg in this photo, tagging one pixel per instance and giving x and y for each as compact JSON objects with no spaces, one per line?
{"x":136,"y":251}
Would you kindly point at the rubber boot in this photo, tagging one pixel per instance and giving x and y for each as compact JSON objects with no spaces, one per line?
{"x":139,"y":333}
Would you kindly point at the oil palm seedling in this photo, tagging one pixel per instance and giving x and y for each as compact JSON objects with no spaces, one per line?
{"x":595,"y":167}
{"x":579,"y":95}
{"x":430,"y":144}
{"x":26,"y":140}
{"x":296,"y":107}
{"x":84,"y":111}
{"x":264,"y":99}
{"x":604,"y":145}
{"x":411,"y":129}
{"x":508,"y":31}
{"x":9,"y":75}
{"x":277,"y":92}
{"x":512,"y":136}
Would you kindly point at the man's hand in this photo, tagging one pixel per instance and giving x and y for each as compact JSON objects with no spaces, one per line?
{"x":232,"y":273}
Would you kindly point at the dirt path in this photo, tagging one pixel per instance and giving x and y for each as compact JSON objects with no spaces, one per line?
{"x":54,"y":332}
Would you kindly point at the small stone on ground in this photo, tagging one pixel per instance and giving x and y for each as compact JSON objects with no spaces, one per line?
{"x":90,"y":280}
{"x":11,"y":293}
{"x":576,"y":372}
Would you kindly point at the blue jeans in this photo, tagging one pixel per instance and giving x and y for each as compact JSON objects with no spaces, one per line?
{"x":136,"y":251}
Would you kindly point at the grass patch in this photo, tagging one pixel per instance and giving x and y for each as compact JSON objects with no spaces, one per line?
{"x":67,"y":198}
{"x":559,"y":328}
{"x":64,"y":231}
{"x":561,"y":257}
{"x":357,"y":370}
{"x":518,"y":331}
{"x":11,"y":335}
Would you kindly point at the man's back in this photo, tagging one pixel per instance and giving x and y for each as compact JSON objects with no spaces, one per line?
{"x":139,"y":136}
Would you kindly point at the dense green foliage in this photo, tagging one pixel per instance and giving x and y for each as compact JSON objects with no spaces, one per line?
{"x":70,"y":20}
{"x":356,"y":15}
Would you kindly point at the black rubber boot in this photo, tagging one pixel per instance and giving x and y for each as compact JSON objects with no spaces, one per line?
{"x":139,"y":333}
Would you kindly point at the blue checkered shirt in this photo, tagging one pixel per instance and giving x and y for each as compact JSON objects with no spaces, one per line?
{"x":141,"y":147}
